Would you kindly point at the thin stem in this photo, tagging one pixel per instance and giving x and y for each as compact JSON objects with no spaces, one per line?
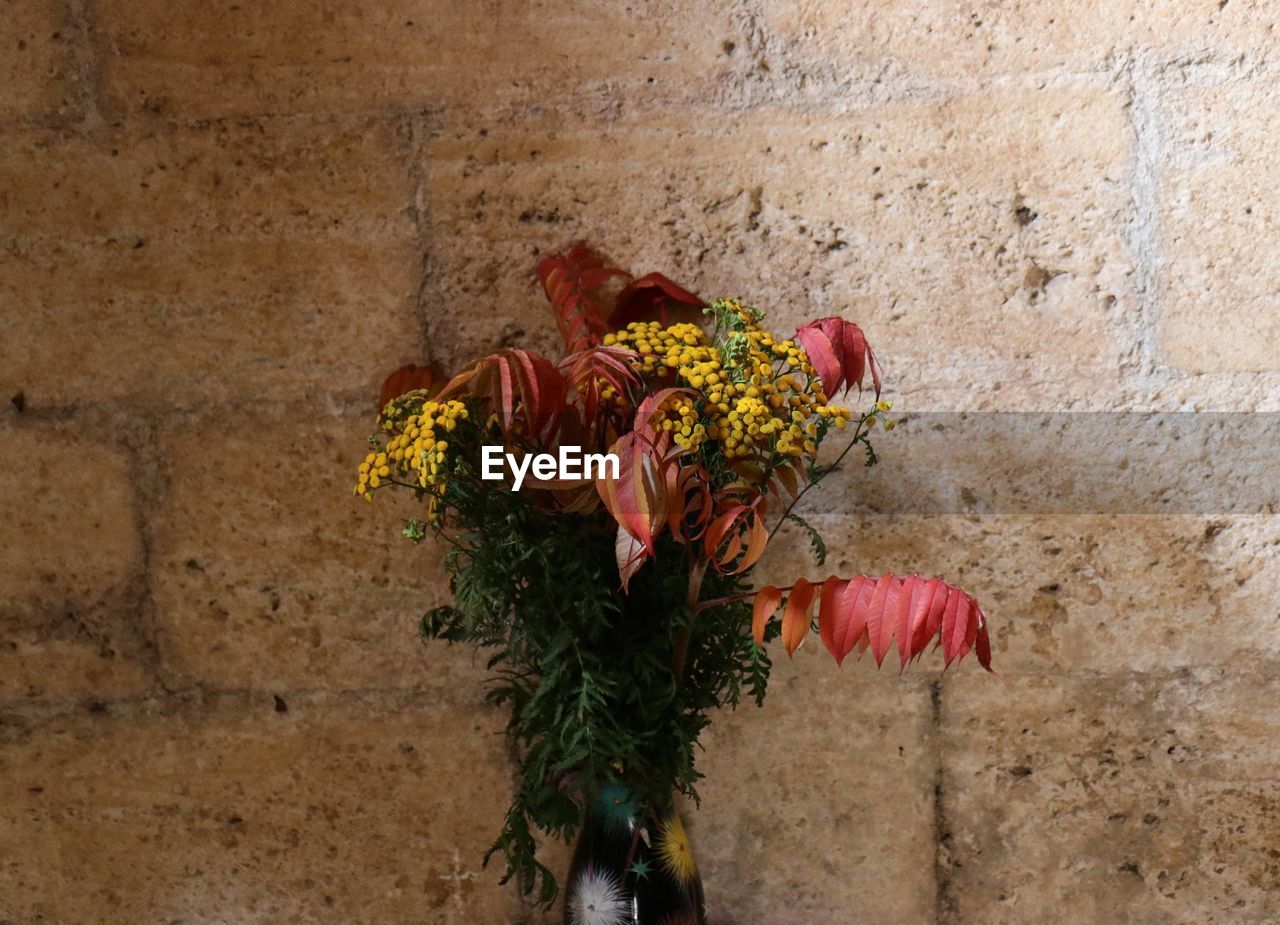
{"x":857,"y":434}
{"x":680,"y":651}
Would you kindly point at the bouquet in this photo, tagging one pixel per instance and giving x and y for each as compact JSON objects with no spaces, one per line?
{"x":614,"y":597}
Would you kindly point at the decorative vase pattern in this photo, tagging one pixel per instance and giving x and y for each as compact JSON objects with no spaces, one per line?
{"x":632,"y":866}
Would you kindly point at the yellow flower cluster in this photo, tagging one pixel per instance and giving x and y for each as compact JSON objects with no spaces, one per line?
{"x":680,"y":419}
{"x":417,"y":449}
{"x":759,"y":395}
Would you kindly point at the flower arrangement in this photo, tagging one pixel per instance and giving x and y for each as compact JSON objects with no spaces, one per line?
{"x":616,"y":607}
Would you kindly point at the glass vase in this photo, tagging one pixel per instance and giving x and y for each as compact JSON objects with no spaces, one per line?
{"x":632,"y":865}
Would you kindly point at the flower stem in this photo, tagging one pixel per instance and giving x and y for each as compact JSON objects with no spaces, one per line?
{"x":680,"y":651}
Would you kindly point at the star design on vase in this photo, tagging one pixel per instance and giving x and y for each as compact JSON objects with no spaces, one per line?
{"x":674,"y":851}
{"x":598,"y":899}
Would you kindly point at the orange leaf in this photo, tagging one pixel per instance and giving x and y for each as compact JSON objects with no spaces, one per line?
{"x":795,"y":619}
{"x":766,"y":603}
{"x":757,"y":540}
{"x":523,"y":388}
{"x":637,"y":498}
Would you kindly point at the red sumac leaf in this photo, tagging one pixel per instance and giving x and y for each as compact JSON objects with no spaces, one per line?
{"x":524,"y":389}
{"x":952,"y":626}
{"x":901,"y":616}
{"x":880,"y":616}
{"x":872,"y":613}
{"x":637,"y":499}
{"x":653,"y":297}
{"x":927,"y":598}
{"x":827,"y":612}
{"x":409,"y":378}
{"x":983,"y":641}
{"x":572,"y":281}
{"x":839,"y":353}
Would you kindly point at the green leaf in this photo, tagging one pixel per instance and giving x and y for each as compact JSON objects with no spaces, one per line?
{"x":818,"y":545}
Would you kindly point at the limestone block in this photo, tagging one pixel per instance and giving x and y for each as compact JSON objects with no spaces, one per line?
{"x":1217,"y":226}
{"x":70,"y":567}
{"x":222,"y":262}
{"x":1111,"y":798}
{"x":37,"y":76}
{"x":271,"y":575}
{"x":328,"y":809}
{"x":256,"y":58}
{"x":892,"y":216}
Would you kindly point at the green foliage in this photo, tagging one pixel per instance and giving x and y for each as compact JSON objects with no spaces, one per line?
{"x":415,"y":530}
{"x":816,"y":542}
{"x":585,"y":670}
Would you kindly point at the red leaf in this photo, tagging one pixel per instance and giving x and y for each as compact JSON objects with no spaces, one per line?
{"x":572,"y":281}
{"x":689,"y":503}
{"x":983,"y":641}
{"x":957,"y":643}
{"x":927,"y":602}
{"x":950,"y":617}
{"x":839,"y":353}
{"x":653,"y":297}
{"x":523,"y":388}
{"x":872,"y":613}
{"x":587,"y":373}
{"x":880,"y":616}
{"x":723,"y":540}
{"x":409,"y":378}
{"x":826,"y":612}
{"x":849,"y":620}
{"x":766,"y":603}
{"x":637,"y":498}
{"x":901,"y":616}
{"x":795,"y":619}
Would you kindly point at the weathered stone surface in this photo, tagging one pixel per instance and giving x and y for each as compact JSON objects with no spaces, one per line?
{"x":1124,"y":799}
{"x":832,"y":42}
{"x":269,"y":574}
{"x":819,"y":807}
{"x":328,"y":810}
{"x":70,"y":567}
{"x":215,"y":263}
{"x":37,"y":76}
{"x":1028,"y":204}
{"x":891,"y":215}
{"x":1072,"y":593}
{"x":1218,"y":230}
{"x":344,"y":55}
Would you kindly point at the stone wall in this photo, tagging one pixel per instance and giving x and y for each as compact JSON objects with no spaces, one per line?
{"x":222,"y":223}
